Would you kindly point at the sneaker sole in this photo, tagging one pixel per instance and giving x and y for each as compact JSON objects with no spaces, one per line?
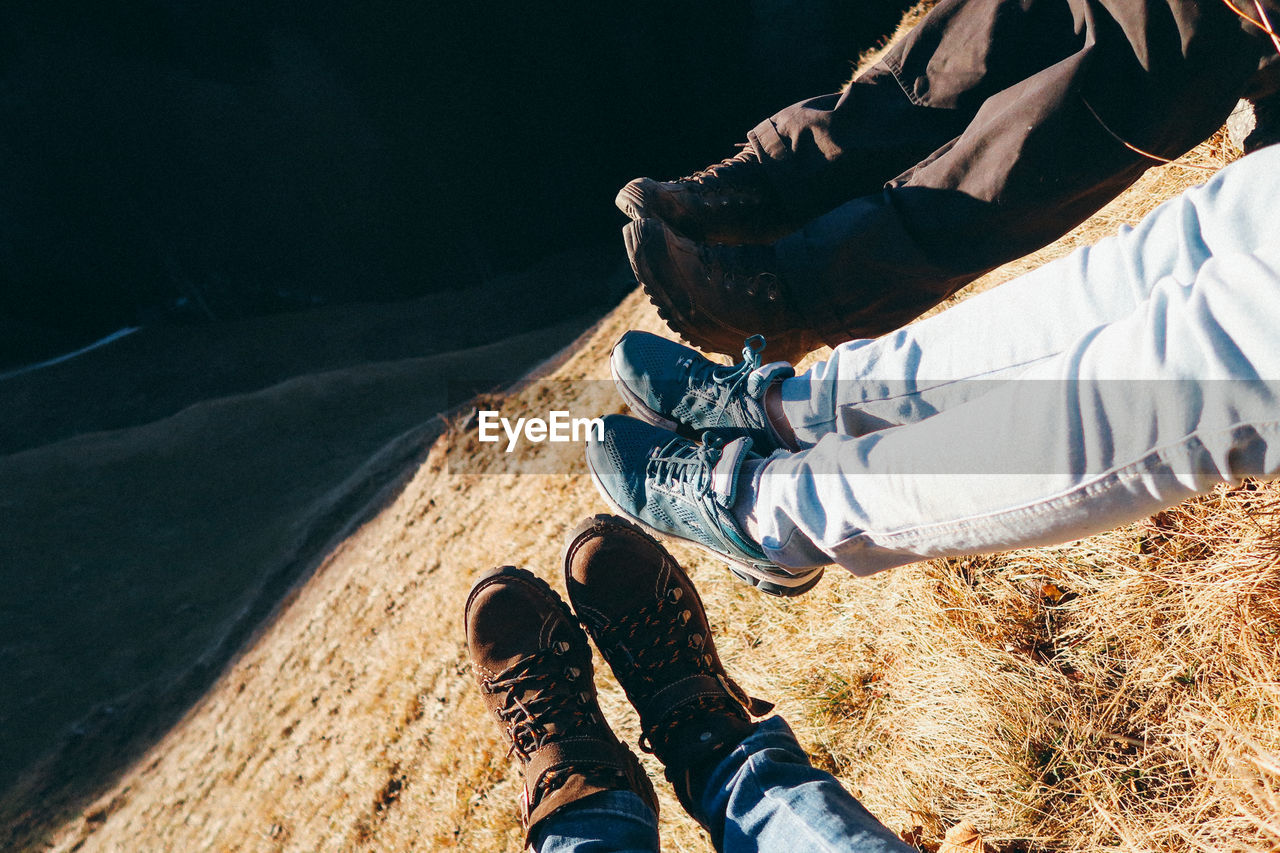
{"x":761,"y":579}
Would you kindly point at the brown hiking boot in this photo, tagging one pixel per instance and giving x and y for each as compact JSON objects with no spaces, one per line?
{"x":716,"y":296}
{"x":648,"y":621}
{"x":731,"y":202}
{"x":534,"y":667}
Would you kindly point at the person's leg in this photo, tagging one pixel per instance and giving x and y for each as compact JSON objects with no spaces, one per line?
{"x":607,"y":822}
{"x":766,"y":796}
{"x":1034,"y":160}
{"x":819,"y":153}
{"x":1178,"y":395}
{"x":823,"y":151}
{"x":750,"y":784}
{"x":952,"y":357}
{"x":648,"y":622}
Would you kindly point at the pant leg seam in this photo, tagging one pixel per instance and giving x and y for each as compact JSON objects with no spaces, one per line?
{"x":944,"y":383}
{"x":895,"y":70}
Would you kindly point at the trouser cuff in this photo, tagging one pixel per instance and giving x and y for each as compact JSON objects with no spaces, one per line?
{"x":779,"y":165}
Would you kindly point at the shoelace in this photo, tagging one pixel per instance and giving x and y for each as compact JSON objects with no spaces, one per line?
{"x":674,"y":655}
{"x":664,"y":618}
{"x":695,"y":711}
{"x":731,"y":378}
{"x":713,"y":171}
{"x":680,"y":462}
{"x":527,"y":720}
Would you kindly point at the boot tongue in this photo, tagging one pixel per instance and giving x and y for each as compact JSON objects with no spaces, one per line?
{"x":724,"y":476}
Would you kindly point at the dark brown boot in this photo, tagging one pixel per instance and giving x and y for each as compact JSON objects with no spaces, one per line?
{"x":648,"y":621}
{"x":534,"y":667}
{"x":717,"y":296}
{"x":730,"y":202}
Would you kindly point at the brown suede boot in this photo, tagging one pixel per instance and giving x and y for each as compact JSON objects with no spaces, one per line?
{"x":648,"y":621}
{"x":717,"y":296}
{"x":534,"y":667}
{"x":732,"y":201}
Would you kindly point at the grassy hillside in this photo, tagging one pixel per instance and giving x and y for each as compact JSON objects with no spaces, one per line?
{"x":1114,"y":693}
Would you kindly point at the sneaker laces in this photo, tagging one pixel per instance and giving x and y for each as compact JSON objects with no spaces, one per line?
{"x":682,"y":463}
{"x":547,"y":712}
{"x":730,"y":378}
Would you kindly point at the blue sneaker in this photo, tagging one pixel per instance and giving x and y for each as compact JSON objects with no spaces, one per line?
{"x":684,"y":489}
{"x":674,"y":387}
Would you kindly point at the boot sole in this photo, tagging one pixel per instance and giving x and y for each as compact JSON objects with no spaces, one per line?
{"x":682,"y":319}
{"x":759,"y":578}
{"x":630,"y":199}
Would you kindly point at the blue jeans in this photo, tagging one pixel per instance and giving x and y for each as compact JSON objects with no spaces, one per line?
{"x":765,"y":796}
{"x":1091,"y":392}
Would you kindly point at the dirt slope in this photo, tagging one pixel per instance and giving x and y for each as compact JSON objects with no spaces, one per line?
{"x":1115,"y":693}
{"x":162,"y":492}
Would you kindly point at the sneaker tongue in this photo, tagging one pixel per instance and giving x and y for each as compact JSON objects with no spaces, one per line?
{"x":724,"y":476}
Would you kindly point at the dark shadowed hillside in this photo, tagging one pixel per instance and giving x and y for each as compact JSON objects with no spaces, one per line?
{"x":192,"y":162}
{"x":162,"y":493}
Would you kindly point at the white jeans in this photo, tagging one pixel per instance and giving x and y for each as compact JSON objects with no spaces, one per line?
{"x":1091,"y":392}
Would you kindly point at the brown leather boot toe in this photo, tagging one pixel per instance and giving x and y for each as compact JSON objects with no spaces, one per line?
{"x":733,"y":201}
{"x":533,"y":664}
{"x":717,"y":296}
{"x":648,"y":622}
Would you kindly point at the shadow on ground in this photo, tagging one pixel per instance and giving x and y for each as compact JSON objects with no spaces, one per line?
{"x":162,"y":494}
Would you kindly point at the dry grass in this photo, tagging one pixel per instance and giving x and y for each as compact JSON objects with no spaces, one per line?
{"x":909,"y":20}
{"x":1113,"y":693}
{"x":1117,"y":693}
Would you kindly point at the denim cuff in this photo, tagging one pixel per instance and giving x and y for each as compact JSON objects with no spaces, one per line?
{"x":771,"y":733}
{"x":609,"y":820}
